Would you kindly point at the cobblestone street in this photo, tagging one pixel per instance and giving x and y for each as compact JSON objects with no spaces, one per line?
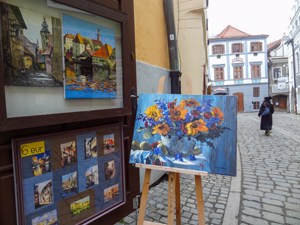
{"x":266,"y":190}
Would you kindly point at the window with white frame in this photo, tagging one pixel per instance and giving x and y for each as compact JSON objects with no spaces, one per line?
{"x":256,"y":46}
{"x":255,"y":71}
{"x":256,"y":91}
{"x":255,"y":104}
{"x":238,"y":72}
{"x":237,"y":48}
{"x":218,"y":49}
{"x":276,"y":72}
{"x":219,"y":73}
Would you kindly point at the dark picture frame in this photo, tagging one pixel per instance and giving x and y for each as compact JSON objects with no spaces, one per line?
{"x":27,"y":117}
{"x":83,"y":190}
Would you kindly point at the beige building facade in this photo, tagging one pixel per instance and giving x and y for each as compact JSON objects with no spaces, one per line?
{"x":152,"y":54}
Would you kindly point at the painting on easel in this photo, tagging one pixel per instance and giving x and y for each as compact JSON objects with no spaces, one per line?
{"x":194,"y":132}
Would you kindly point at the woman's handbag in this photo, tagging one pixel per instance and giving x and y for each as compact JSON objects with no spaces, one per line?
{"x":266,"y":112}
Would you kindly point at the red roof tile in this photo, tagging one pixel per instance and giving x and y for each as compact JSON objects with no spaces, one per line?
{"x":230,"y":32}
{"x":273,"y":45}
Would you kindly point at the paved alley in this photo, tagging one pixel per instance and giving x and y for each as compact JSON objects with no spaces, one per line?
{"x":266,"y":190}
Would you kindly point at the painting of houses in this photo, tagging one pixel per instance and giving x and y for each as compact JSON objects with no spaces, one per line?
{"x":32,"y":48}
{"x":90,"y":62}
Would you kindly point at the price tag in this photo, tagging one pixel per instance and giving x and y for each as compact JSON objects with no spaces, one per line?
{"x":32,"y":148}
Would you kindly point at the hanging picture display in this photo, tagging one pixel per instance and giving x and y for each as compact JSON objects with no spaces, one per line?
{"x":90,"y":59}
{"x":69,"y":178}
{"x":194,"y":132}
{"x":32,"y":47}
{"x":58,"y":59}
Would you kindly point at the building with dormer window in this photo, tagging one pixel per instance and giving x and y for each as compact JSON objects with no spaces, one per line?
{"x":279,"y":75}
{"x":238,"y":66}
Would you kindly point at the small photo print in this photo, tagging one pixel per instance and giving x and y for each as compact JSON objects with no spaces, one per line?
{"x":80,"y":205}
{"x":109,"y":143}
{"x":68,"y":153}
{"x":48,"y":218}
{"x":41,"y":163}
{"x":110,"y":170}
{"x":43,"y":193}
{"x":111,"y":192}
{"x":92,"y":176}
{"x":90,"y":147}
{"x":69,"y":183}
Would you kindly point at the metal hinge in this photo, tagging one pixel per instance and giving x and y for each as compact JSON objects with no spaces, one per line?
{"x":136,"y":201}
{"x":134,"y":98}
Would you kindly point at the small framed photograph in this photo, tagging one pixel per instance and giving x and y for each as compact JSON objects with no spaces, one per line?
{"x":43,"y":193}
{"x":111,"y":192}
{"x":110,"y":169}
{"x":92,"y":176}
{"x":109,"y":143}
{"x":69,"y":183}
{"x":80,"y":205}
{"x":48,"y":218}
{"x":41,"y":163}
{"x":68,"y":153}
{"x":90,"y":147}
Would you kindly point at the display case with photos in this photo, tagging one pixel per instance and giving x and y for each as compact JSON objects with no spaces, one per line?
{"x":69,"y":177}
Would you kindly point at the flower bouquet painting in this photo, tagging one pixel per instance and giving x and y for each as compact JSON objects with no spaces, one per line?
{"x":195,"y":132}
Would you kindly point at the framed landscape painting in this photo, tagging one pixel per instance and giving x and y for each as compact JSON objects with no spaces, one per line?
{"x":194,"y":132}
{"x":90,"y":59}
{"x":32,"y":47}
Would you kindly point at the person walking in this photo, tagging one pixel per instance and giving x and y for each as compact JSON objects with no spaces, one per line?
{"x":266,"y":111}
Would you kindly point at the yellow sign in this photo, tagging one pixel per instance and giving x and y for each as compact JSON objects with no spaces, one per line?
{"x":32,"y":148}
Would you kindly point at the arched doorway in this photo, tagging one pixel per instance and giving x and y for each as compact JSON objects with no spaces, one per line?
{"x":240,"y":97}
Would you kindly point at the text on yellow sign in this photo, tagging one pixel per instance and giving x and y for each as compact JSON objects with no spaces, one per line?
{"x":32,"y":148}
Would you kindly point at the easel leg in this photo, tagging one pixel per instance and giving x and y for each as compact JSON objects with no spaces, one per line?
{"x":171,"y":198}
{"x":144,"y":197}
{"x":177,"y":194}
{"x":200,"y":203}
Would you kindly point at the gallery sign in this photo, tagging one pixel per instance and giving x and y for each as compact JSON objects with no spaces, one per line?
{"x":194,"y":132}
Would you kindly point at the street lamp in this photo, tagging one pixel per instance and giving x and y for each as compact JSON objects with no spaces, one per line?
{"x":287,"y":42}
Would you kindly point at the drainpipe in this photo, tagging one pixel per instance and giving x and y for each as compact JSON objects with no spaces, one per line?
{"x":175,"y":73}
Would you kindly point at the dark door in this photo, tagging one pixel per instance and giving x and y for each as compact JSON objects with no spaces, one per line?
{"x":280,"y":102}
{"x":240,"y":97}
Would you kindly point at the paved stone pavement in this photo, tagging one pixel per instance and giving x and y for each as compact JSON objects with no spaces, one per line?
{"x":266,"y":190}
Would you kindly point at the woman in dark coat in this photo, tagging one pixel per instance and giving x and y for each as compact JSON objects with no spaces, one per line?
{"x":266,"y":121}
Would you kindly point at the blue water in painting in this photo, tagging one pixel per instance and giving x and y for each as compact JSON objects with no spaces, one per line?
{"x":88,"y":93}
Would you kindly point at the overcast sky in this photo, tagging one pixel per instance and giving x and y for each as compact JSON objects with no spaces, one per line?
{"x":270,"y":17}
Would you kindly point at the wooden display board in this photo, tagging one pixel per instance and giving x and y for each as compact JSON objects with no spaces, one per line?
{"x":174,"y":208}
{"x":69,"y":177}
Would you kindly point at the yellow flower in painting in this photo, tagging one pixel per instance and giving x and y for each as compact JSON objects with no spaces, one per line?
{"x":161,"y":129}
{"x":178,"y":113}
{"x":195,"y":127}
{"x":153,"y":112}
{"x":216,"y":112}
{"x":189,"y":103}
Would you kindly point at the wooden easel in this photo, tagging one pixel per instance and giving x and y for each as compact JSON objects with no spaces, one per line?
{"x":173,"y":194}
